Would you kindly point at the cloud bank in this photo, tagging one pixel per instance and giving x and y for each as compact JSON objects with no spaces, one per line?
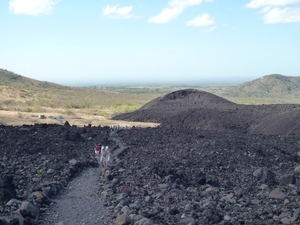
{"x":276,"y":11}
{"x":115,"y":12}
{"x":32,"y":7}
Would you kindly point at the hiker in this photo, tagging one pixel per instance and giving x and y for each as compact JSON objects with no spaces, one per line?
{"x":97,"y":152}
{"x":105,"y":156}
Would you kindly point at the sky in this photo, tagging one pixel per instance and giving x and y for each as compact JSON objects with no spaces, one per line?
{"x":90,"y":42}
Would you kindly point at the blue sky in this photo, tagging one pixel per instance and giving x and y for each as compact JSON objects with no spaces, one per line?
{"x":86,"y":42}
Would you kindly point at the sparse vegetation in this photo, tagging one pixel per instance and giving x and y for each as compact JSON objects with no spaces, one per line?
{"x":28,"y":109}
{"x":21,"y":94}
{"x":3,"y":121}
{"x":104,"y":114}
{"x":69,"y":112}
{"x":89,"y":121}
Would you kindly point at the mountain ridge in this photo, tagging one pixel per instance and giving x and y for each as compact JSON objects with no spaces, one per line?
{"x":8,"y":78}
{"x":269,"y":85}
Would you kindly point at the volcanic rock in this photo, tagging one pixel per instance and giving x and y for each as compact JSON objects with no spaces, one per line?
{"x":195,"y":109}
{"x":209,"y":165}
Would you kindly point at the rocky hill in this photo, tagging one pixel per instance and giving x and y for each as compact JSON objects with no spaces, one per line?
{"x":194,"y":109}
{"x":8,"y":78}
{"x":273,"y":85}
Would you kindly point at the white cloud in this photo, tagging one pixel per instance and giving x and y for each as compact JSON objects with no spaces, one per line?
{"x":114,"y":12}
{"x":182,"y":4}
{"x":263,"y":3}
{"x":200,"y":21}
{"x":275,"y":12}
{"x":174,"y":9}
{"x":32,"y":7}
{"x":285,"y":15}
{"x":209,"y":29}
{"x":166,"y":15}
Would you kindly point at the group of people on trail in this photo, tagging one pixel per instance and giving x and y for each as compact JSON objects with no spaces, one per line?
{"x":114,"y":127}
{"x":102,"y":154}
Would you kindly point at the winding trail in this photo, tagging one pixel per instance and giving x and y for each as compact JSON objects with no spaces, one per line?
{"x":80,"y":204}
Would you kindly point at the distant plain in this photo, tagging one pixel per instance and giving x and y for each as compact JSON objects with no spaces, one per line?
{"x":24,"y":99}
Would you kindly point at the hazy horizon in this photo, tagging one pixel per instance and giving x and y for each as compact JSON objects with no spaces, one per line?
{"x":197,"y":82}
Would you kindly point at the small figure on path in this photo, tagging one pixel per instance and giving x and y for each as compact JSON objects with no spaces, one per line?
{"x":105,"y":156}
{"x":97,"y":152}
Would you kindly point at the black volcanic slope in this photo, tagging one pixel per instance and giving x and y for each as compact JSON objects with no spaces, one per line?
{"x":194,"y":109}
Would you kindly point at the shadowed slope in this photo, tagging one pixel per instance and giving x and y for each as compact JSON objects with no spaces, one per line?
{"x":184,"y":108}
{"x":194,"y":109}
{"x":287,"y":123}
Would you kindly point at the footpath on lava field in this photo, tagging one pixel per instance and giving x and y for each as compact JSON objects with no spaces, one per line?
{"x":80,"y":202}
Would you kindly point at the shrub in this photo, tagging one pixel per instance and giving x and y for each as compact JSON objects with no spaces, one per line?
{"x":89,"y":121}
{"x":69,"y":112}
{"x":104,"y":114}
{"x":9,"y":102}
{"x":28,"y":110}
{"x":3,"y":121}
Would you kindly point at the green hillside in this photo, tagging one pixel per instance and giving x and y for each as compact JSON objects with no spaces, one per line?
{"x":22,"y":94}
{"x":269,"y":89}
{"x":274,"y":85}
{"x":11,"y":79}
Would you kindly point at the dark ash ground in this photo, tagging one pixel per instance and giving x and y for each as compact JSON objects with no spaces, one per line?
{"x":210,"y":162}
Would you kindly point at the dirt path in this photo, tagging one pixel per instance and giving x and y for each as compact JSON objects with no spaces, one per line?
{"x":80,"y":204}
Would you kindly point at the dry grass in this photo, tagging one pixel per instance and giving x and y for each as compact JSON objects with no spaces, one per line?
{"x":23,"y":103}
{"x":23,"y":100}
{"x":78,"y":119}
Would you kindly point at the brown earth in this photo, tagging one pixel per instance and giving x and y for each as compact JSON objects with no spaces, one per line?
{"x":78,"y":119}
